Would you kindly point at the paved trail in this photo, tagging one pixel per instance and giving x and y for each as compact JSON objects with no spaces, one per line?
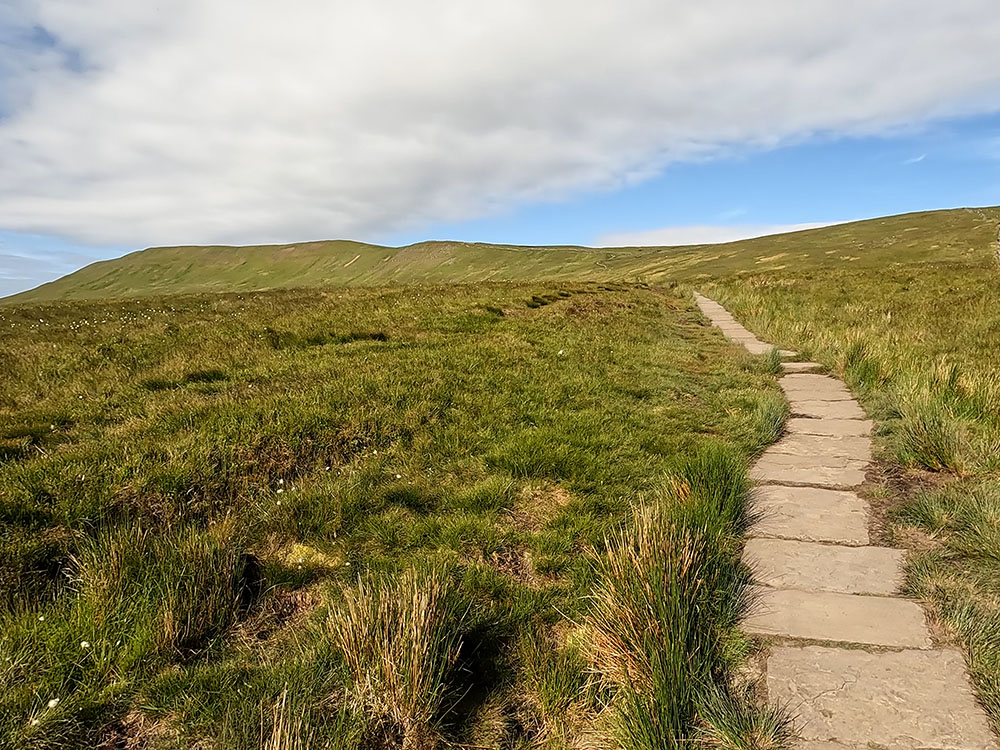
{"x":854,"y":661}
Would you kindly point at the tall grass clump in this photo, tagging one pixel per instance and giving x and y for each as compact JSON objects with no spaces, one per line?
{"x":943,"y":420}
{"x":559,"y":690}
{"x":399,"y":640}
{"x":672,"y":591}
{"x":172,"y":593}
{"x":732,"y":719}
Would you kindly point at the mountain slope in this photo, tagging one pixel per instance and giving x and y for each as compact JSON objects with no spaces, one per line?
{"x":934,"y":235}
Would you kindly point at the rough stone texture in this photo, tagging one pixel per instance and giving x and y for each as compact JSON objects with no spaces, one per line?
{"x":756,"y":347}
{"x":819,"y":409}
{"x":809,"y":385}
{"x":810,"y":380}
{"x":896,"y":700}
{"x":792,"y":367}
{"x":810,"y":514}
{"x":785,"y":563}
{"x":849,"y":618}
{"x":821,"y":471}
{"x":787,"y":353}
{"x":858,"y":447}
{"x":837,"y":427}
{"x":824,"y":393}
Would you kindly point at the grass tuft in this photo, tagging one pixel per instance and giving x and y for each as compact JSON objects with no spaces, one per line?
{"x":734,"y":720}
{"x":399,"y":640}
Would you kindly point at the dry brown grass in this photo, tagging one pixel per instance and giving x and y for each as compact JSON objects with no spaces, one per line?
{"x":399,"y":640}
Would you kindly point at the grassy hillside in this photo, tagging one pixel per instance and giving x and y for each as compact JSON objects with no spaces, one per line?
{"x":482,"y":514}
{"x":412,"y":518}
{"x":937,"y":236}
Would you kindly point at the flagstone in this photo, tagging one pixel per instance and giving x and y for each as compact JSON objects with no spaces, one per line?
{"x":810,"y":514}
{"x":786,"y":563}
{"x":850,"y":698}
{"x":847,"y":618}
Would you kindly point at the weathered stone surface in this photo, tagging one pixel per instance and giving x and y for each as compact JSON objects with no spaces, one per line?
{"x":757,"y":347}
{"x":898,"y":700}
{"x":793,"y":367}
{"x":785,"y":563}
{"x":826,"y":393}
{"x":825,"y":409}
{"x":858,"y":447}
{"x":810,"y":514}
{"x":829,"y":616}
{"x":840,"y":427}
{"x":836,"y":472}
{"x":810,"y":380}
{"x":787,"y":353}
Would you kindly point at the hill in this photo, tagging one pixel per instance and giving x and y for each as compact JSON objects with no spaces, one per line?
{"x":933,"y":235}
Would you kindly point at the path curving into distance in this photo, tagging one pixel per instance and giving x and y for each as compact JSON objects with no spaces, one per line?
{"x":849,"y":657}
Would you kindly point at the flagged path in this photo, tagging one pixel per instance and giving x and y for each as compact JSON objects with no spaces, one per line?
{"x":850,"y":658}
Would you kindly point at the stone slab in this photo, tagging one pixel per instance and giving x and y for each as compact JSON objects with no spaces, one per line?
{"x":786,"y":353}
{"x":848,"y":698}
{"x":826,"y":393}
{"x":810,"y":514}
{"x":757,"y":347}
{"x":793,"y":367}
{"x":819,"y":409}
{"x":830,"y":616}
{"x":857,"y":447}
{"x":786,"y":563}
{"x":839,"y":427}
{"x":810,"y":380}
{"x":836,"y":472}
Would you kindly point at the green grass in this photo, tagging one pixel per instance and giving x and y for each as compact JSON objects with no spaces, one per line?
{"x":936,"y":236}
{"x":370,"y":517}
{"x":918,"y":339}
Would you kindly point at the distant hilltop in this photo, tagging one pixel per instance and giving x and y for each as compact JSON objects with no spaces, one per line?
{"x":946,"y":235}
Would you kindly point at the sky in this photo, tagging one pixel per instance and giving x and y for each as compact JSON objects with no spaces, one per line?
{"x":125,"y":125}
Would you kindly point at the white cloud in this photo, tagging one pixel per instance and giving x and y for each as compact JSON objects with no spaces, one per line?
{"x":251,"y":120}
{"x":701,"y":234}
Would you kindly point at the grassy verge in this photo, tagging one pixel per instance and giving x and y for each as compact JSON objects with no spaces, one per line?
{"x":919,"y":342}
{"x":366,"y":518}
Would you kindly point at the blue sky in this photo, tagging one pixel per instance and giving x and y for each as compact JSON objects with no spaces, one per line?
{"x":943,"y":164}
{"x":125,"y":125}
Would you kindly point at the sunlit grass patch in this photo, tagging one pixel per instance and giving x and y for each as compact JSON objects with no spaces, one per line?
{"x":196,"y":536}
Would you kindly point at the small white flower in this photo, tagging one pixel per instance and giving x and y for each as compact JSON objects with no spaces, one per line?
{"x":399,"y":476}
{"x":347,"y":564}
{"x":41,"y":618}
{"x":34,"y":722}
{"x":281,"y":481}
{"x":300,"y":559}
{"x":279,"y":502}
{"x":53,"y":703}
{"x":84,"y":644}
{"x":280,"y":490}
{"x":560,"y":352}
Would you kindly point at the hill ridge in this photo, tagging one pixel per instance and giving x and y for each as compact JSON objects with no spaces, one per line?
{"x":946,"y":234}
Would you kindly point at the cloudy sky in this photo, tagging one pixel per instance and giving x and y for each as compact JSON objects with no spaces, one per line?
{"x":125,"y":124}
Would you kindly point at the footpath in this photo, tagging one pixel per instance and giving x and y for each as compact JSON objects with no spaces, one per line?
{"x":849,"y":657}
